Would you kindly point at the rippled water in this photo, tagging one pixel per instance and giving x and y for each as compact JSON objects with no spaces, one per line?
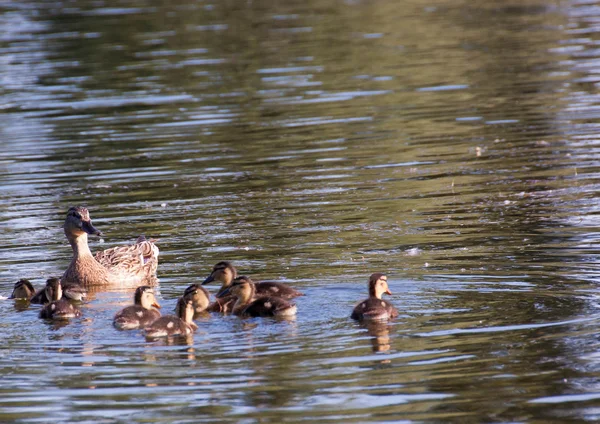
{"x":451,"y":144}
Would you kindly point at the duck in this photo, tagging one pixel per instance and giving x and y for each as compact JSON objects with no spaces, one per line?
{"x":199,"y":296}
{"x":69,"y":291}
{"x":225,"y":272}
{"x":248,"y":304}
{"x":142,"y":313}
{"x":23,"y":289}
{"x":58,"y":308}
{"x":122,"y":266}
{"x":174,"y":325}
{"x":375,"y":308}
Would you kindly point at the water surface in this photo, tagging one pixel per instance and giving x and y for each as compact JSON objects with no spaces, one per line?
{"x":449,"y":144}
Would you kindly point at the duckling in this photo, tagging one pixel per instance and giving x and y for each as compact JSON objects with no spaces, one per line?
{"x":141,"y":314}
{"x":23,"y":290}
{"x":121,"y":266}
{"x":70,"y":291}
{"x":375,"y":307}
{"x":264,"y":306}
{"x":225,"y":272}
{"x":199,"y":296}
{"x":58,"y":308}
{"x":171,"y":325}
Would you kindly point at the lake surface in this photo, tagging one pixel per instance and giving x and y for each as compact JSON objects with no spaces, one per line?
{"x":453,"y":145}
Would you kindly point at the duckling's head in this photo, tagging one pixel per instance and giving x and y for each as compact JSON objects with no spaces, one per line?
{"x":144,"y":296}
{"x":378,"y":285}
{"x":185,"y":309}
{"x":23,"y":289}
{"x":242,"y":287}
{"x":53,"y":289}
{"x":199,"y":296}
{"x":78,"y":222}
{"x":223,"y":272}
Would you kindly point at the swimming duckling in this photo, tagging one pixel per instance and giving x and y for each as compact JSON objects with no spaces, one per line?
{"x":141,"y":314}
{"x":225,"y":272}
{"x":375,"y":307}
{"x":199,"y":296}
{"x":59,"y":308}
{"x":121,"y":266}
{"x":23,"y":289}
{"x":171,"y":325}
{"x":70,"y":291}
{"x":264,"y":306}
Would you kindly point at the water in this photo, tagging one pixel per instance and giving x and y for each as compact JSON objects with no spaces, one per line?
{"x":450,"y":144}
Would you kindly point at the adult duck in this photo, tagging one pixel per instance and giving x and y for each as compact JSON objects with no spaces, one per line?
{"x":249,"y":303}
{"x":174,"y":325}
{"x":225,"y":272}
{"x":123,"y":266}
{"x":375,"y":308}
{"x":142,"y":313}
{"x":58,"y":308}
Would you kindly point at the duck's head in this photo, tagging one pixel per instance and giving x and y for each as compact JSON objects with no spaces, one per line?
{"x":223,"y":272}
{"x":23,"y":289}
{"x":53,"y":289}
{"x":78,"y":222}
{"x":185,"y":309}
{"x":199,"y":296}
{"x":242,"y":287}
{"x":144,"y":296}
{"x":378,"y":285}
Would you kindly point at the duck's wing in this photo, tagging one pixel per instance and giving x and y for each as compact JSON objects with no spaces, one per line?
{"x":134,"y":258}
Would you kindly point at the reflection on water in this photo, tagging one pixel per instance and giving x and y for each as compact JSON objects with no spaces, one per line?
{"x":451,"y":145}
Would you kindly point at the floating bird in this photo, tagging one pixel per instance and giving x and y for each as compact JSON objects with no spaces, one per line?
{"x":225,"y":272}
{"x":23,"y":289}
{"x":248,"y":303}
{"x":123,"y":266}
{"x":58,"y":308}
{"x":173,"y":325}
{"x":141,"y":314}
{"x":375,"y":307}
{"x":69,"y":291}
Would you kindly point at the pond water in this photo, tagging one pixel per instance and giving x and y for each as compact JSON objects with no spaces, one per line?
{"x":451,"y":144}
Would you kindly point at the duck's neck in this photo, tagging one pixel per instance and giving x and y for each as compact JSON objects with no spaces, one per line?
{"x":84,"y":268}
{"x":80,"y":246}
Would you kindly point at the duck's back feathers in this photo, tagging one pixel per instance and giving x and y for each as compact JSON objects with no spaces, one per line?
{"x":269,"y":307}
{"x":272,"y":288}
{"x":135,"y":316}
{"x":169,"y":325}
{"x":59,"y":310}
{"x":374,"y":309}
{"x":136,"y":260}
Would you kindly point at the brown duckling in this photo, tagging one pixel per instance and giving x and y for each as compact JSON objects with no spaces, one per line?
{"x":141,"y":314}
{"x":23,"y":289}
{"x":122,"y":266}
{"x":225,"y":272}
{"x":375,"y":307}
{"x":69,"y":291}
{"x":248,"y":304}
{"x":174,"y":325}
{"x":59,"y":308}
{"x":199,"y":296}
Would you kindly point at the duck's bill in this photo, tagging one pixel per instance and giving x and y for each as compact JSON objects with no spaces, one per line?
{"x":156,"y":305}
{"x":388,"y":292}
{"x":90,"y":229}
{"x":222,"y":293}
{"x":209,"y":279}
